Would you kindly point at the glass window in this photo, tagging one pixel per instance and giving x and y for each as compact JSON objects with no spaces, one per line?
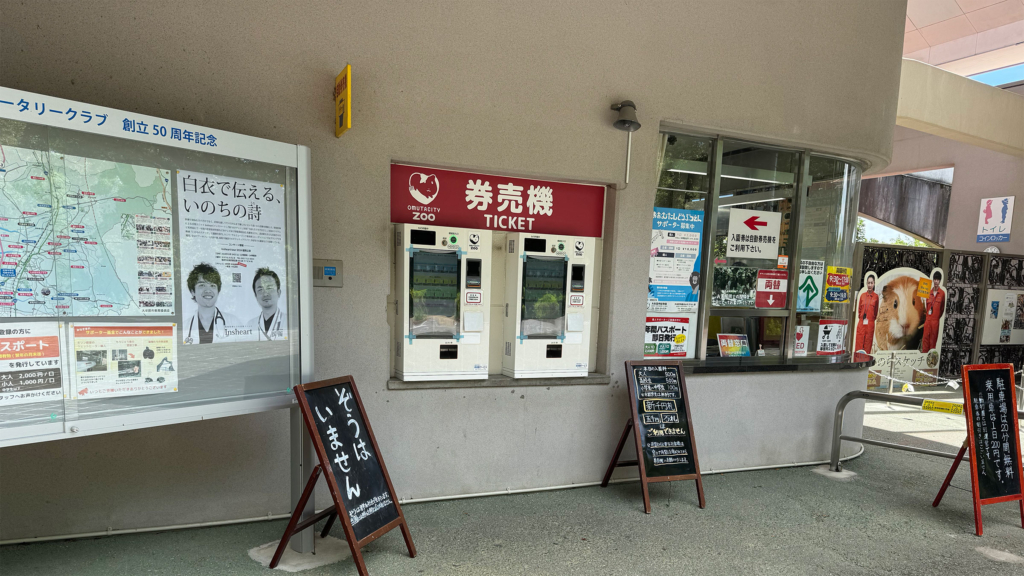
{"x":677,"y":233}
{"x":760,"y":180}
{"x":764,"y":334}
{"x":543,"y":314}
{"x":434,"y":294}
{"x":827,"y":240}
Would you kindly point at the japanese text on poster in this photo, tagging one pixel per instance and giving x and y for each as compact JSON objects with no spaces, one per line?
{"x":809,"y":288}
{"x":994,"y":219}
{"x":669,"y":337}
{"x":837,"y":285}
{"x":124,"y":359}
{"x":233,"y":259}
{"x":831,"y":337}
{"x":30,"y":366}
{"x":674,"y":274}
{"x":753,"y":234}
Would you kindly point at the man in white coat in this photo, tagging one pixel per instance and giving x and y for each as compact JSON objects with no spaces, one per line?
{"x":272,"y":323}
{"x":208,"y":325}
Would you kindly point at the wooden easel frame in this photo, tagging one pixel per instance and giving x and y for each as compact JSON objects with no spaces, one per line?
{"x":969,"y":445}
{"x":633,"y":425}
{"x":338,"y":510}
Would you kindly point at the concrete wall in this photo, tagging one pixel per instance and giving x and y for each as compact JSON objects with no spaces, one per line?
{"x":518,"y":87}
{"x":978,"y":173}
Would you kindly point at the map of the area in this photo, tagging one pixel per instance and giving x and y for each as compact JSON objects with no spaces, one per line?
{"x":83,"y":237}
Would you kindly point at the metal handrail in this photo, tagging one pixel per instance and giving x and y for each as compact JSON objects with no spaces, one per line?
{"x":837,"y":426}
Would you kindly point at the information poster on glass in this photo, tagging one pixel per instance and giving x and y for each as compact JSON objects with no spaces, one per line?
{"x":124,"y":360}
{"x":668,"y":337}
{"x":233,"y":259}
{"x":733,"y":345}
{"x":674,"y":274}
{"x":30,"y":365}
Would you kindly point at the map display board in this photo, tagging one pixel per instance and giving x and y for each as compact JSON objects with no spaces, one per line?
{"x":83,"y":237}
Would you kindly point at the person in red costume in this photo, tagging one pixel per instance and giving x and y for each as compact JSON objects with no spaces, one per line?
{"x":867,"y":311}
{"x":933,"y":309}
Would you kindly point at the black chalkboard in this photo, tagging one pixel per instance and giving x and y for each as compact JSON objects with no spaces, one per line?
{"x":664,"y":427}
{"x":990,"y":401}
{"x":347,"y":442}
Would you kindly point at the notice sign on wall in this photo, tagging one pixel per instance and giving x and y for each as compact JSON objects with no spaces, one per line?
{"x":30,"y":367}
{"x":753,"y":234}
{"x":772,"y":286}
{"x":668,"y":337}
{"x":421,"y":195}
{"x":994,"y":219}
{"x":124,"y":359}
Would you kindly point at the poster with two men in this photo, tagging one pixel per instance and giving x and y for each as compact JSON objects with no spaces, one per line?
{"x":233,"y":259}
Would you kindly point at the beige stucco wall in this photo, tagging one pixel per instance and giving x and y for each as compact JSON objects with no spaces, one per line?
{"x":516,"y":87}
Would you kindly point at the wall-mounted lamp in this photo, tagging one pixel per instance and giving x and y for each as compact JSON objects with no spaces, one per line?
{"x":626,"y":121}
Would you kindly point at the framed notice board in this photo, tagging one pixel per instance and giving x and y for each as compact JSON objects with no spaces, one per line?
{"x":353,"y":467}
{"x":164,"y":265}
{"x":993,"y":438}
{"x":661,"y":425}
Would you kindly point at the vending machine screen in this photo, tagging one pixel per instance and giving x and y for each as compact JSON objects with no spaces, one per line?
{"x":434,"y":294}
{"x":543,"y":314}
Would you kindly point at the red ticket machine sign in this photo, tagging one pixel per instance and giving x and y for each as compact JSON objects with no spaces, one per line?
{"x":772,"y":286}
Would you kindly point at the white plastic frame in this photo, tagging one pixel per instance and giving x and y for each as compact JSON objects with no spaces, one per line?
{"x":42,"y":110}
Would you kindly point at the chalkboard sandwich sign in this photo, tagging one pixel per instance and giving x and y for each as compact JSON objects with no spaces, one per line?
{"x":661,"y":426}
{"x":352,"y":465}
{"x":993,"y":438}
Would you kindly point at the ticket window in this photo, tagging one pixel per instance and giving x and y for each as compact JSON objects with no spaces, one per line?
{"x":442,"y":324}
{"x":548,"y":306}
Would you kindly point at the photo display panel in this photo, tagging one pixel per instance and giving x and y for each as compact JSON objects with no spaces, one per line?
{"x":663,"y":425}
{"x":991,"y":407}
{"x":355,"y":466}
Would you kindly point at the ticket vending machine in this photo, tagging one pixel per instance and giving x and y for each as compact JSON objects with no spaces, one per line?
{"x":548,"y":297}
{"x":443,"y":313}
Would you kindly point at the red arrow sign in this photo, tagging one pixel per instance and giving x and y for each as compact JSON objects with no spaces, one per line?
{"x":753,"y":223}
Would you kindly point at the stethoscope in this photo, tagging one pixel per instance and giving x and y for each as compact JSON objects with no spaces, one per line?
{"x":275,"y":326}
{"x":192,"y":322}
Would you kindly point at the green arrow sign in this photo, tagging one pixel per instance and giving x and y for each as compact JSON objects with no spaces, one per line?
{"x":810,"y":290}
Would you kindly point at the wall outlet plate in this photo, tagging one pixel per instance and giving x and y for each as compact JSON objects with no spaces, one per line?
{"x":327,"y":273}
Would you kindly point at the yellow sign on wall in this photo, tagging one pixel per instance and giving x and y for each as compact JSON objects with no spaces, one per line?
{"x":343,"y":101}
{"x":947,"y":407}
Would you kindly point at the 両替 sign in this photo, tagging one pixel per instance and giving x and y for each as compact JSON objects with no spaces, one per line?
{"x":771,"y":289}
{"x":753,"y":234}
{"x":343,"y":101}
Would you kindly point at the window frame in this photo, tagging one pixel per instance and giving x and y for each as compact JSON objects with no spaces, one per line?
{"x":705,"y":310}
